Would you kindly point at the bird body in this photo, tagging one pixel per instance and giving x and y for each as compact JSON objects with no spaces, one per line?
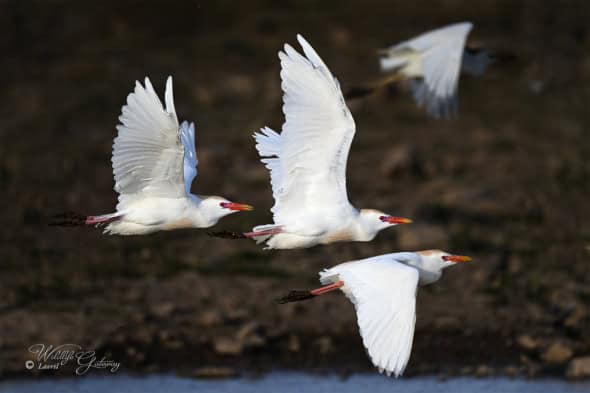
{"x":154,"y":164}
{"x":307,"y":161}
{"x":383,"y":291}
{"x":147,"y":215}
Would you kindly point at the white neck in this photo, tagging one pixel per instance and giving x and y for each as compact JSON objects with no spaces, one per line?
{"x":367,"y":225}
{"x":202,"y":213}
{"x":429,"y":269}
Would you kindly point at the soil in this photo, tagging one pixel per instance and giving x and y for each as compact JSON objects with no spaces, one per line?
{"x":506,"y":182}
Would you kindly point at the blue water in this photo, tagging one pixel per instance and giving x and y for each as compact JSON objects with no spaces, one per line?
{"x":289,"y":382}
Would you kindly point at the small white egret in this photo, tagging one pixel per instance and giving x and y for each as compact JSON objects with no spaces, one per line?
{"x":307,"y":161}
{"x":154,"y":164}
{"x":383,"y":291}
{"x":432,"y":62}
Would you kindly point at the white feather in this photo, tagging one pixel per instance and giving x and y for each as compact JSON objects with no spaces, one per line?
{"x":383,"y":291}
{"x":439,"y":62}
{"x":308,"y":159}
{"x":147,"y":153}
{"x":187,"y":137}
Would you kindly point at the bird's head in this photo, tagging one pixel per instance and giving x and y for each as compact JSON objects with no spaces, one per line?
{"x":375,"y":220}
{"x":218,"y":206}
{"x":441,"y":259}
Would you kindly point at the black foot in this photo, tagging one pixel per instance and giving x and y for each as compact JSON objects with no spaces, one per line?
{"x":68,"y":219}
{"x":227,"y":235}
{"x":295,"y":296}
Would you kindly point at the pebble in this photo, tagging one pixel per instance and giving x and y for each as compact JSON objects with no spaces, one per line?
{"x":526,"y":342}
{"x":209,"y":318}
{"x":557,"y":353}
{"x":215,"y":373}
{"x":579,"y":368}
{"x":227,"y":346}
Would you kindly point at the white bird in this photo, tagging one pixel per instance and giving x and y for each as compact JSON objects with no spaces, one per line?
{"x":383,"y":291}
{"x":307,"y":161}
{"x":432,"y":61}
{"x":154,"y":164}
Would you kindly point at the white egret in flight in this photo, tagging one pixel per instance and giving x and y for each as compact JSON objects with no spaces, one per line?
{"x":154,"y":164}
{"x":432,"y":63}
{"x":307,"y":161}
{"x":383,"y":291}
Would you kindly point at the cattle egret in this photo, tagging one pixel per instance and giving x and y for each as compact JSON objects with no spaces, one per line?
{"x":431,"y":62}
{"x":383,"y":291}
{"x":307,"y":161}
{"x":154,"y":164}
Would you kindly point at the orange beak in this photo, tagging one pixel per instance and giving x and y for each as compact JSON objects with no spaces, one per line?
{"x":237,"y":206}
{"x":395,"y":220}
{"x":457,"y":258}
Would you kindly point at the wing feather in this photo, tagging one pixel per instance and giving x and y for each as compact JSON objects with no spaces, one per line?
{"x":147,"y":152}
{"x":187,"y":136}
{"x":308,"y":159}
{"x":440,"y":52}
{"x":383,"y":291}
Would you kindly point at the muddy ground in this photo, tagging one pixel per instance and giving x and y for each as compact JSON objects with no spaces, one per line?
{"x":506,"y":182}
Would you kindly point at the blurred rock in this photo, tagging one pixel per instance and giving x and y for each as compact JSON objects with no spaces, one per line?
{"x":447,"y":323}
{"x":162,"y":310}
{"x":236,"y":314}
{"x":227,"y":346}
{"x":511,"y":371}
{"x":247,"y":330}
{"x":340,"y":37}
{"x":557,"y":353}
{"x":401,"y":160}
{"x":324,"y":344}
{"x":294,"y":344}
{"x":575,"y":319}
{"x":526,"y":342}
{"x":240,"y":85}
{"x":483,"y":371}
{"x":422,"y":237}
{"x":209,"y":318}
{"x":215,"y":373}
{"x":579,"y":368}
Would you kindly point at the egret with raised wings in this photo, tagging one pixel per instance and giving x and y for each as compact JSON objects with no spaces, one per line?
{"x":307,"y":161}
{"x":432,"y":63}
{"x":154,"y":164}
{"x":383,"y":291}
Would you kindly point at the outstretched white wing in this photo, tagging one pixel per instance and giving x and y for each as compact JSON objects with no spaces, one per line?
{"x":383,"y":291}
{"x":440,"y":54}
{"x":308,"y":164}
{"x":187,"y":136}
{"x":147,"y":152}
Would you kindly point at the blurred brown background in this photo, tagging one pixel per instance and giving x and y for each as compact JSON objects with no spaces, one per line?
{"x":506,"y":182}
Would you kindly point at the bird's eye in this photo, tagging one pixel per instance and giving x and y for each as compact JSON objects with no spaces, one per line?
{"x":383,"y":218}
{"x":225,"y":205}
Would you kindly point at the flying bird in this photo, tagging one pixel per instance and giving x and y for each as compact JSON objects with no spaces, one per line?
{"x":432,"y":63}
{"x":307,"y":161}
{"x":154,"y":164}
{"x":383,"y":291}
